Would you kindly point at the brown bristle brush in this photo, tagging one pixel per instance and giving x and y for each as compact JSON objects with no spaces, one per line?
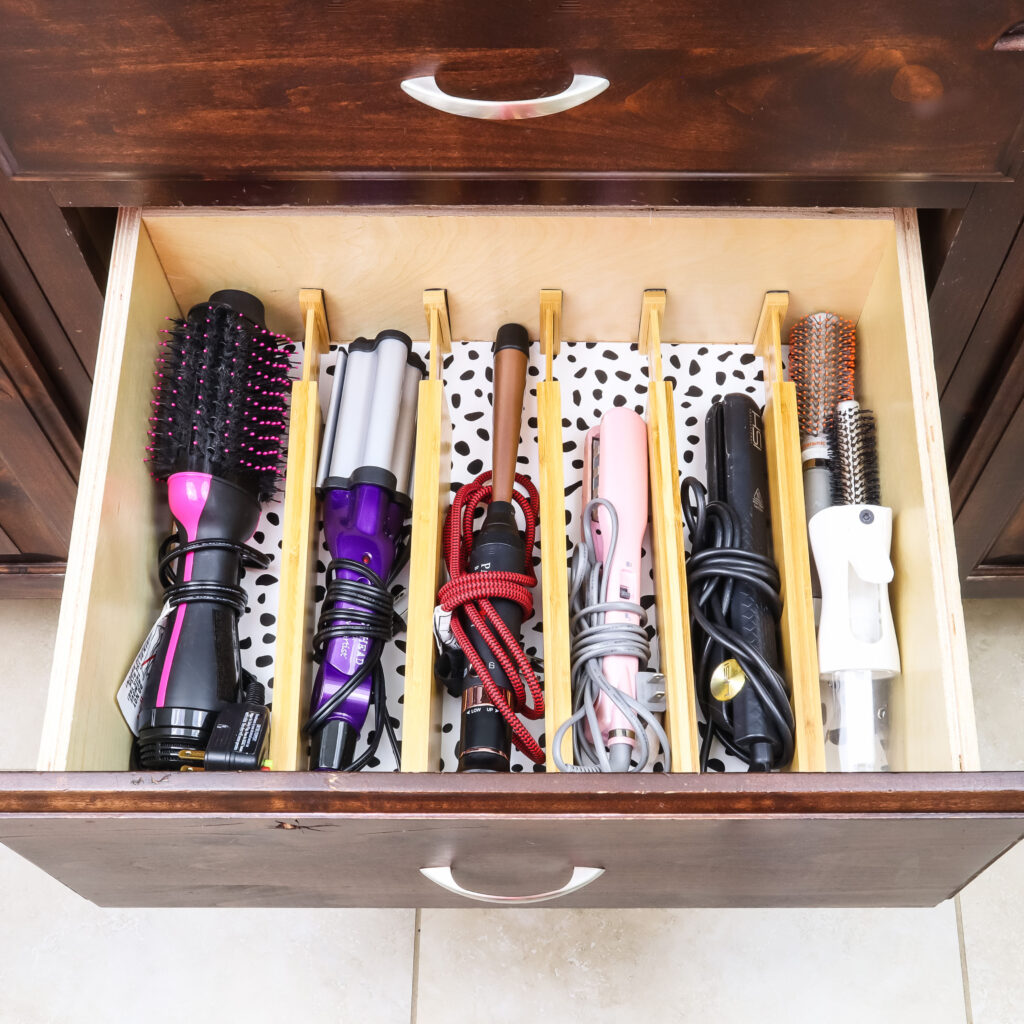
{"x":821,"y":364}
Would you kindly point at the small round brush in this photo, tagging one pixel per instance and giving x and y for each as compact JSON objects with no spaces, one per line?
{"x":853,"y":451}
{"x":216,"y":435}
{"x":857,"y":651}
{"x":821,"y":365}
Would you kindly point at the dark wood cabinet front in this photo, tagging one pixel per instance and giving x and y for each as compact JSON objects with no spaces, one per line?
{"x":859,"y":91}
{"x":297,"y":839}
{"x":263,"y":103}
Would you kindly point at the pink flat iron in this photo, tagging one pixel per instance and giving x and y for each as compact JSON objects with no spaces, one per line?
{"x":610,"y":648}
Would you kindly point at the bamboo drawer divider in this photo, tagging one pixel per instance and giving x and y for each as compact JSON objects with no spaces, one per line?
{"x":421,"y":724}
{"x":299,"y":541}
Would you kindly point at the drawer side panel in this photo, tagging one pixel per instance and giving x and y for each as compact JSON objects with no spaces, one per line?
{"x":932,"y":712}
{"x":110,"y":595}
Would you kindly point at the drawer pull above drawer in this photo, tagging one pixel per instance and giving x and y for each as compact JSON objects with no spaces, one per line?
{"x":444,"y":878}
{"x":581,"y":89}
{"x":1011,"y":39}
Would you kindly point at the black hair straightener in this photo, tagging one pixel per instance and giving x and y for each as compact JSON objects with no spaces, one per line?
{"x":734,"y":593}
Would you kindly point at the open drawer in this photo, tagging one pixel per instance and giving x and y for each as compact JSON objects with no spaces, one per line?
{"x":293,"y":838}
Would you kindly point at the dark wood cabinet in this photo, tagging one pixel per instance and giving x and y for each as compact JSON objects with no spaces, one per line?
{"x":977,"y":312}
{"x":50,"y":306}
{"x":302,"y":839}
{"x":260,"y":104}
{"x":798,"y":89}
{"x":793,"y":103}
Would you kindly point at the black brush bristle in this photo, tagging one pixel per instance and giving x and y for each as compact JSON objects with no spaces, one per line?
{"x":868,"y":458}
{"x":835,"y":459}
{"x":220,"y":401}
{"x":853,"y":451}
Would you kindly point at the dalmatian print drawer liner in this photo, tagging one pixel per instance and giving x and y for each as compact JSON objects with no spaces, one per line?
{"x":594,"y":377}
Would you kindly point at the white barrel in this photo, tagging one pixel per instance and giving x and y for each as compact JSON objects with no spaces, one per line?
{"x":331,"y":420}
{"x":385,"y":403}
{"x":354,"y":414}
{"x":405,"y":434}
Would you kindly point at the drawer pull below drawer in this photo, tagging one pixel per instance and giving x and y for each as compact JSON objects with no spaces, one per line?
{"x":581,"y":89}
{"x":580,"y":877}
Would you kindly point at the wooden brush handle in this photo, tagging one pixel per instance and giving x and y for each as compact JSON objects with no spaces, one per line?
{"x":511,"y":355}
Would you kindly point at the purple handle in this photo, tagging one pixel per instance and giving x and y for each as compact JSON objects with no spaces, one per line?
{"x":361,"y":524}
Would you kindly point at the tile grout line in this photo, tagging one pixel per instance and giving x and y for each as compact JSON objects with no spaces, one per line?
{"x":961,"y":941}
{"x":416,"y":967}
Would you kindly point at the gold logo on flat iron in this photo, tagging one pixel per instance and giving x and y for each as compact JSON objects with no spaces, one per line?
{"x":727,"y":680}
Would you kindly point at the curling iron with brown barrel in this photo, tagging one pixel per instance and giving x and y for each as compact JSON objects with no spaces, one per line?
{"x":491,"y":579}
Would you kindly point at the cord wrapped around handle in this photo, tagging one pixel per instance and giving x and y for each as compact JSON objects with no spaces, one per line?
{"x":491,"y":577}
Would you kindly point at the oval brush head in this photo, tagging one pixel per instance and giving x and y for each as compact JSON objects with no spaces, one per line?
{"x":821,"y":363}
{"x":853,"y":448}
{"x":220,"y":401}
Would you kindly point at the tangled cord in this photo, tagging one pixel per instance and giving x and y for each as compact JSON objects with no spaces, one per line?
{"x":370,"y":615}
{"x":178,"y":592}
{"x":716,"y":563}
{"x":594,"y":639}
{"x":472,"y":593}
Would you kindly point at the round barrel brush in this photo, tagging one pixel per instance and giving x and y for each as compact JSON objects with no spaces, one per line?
{"x":858,"y":655}
{"x":216,"y":435}
{"x":821,"y":365}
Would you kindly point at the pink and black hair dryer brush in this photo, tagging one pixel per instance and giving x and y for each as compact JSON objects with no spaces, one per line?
{"x":216,"y":434}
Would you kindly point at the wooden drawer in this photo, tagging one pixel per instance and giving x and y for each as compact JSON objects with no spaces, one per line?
{"x":144,"y":92}
{"x":290,"y":838}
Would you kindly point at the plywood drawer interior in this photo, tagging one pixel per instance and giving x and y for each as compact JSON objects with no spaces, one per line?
{"x":374,"y":267}
{"x":805,"y":837}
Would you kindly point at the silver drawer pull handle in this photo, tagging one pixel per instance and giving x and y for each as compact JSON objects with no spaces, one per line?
{"x":581,"y":89}
{"x":444,"y":878}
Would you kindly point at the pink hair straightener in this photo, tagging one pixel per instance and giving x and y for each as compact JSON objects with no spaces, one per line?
{"x":610,"y":648}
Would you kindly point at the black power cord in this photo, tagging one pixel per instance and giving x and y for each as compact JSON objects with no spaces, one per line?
{"x":715,"y":565}
{"x":240,"y":735}
{"x":177,"y":592}
{"x":369,"y":614}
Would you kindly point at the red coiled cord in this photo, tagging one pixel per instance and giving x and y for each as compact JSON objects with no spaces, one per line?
{"x":473,"y":591}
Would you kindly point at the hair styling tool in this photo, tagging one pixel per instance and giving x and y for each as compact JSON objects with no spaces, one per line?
{"x":610,"y":720}
{"x":733,"y":585}
{"x":821,"y":360}
{"x":857,"y":650}
{"x":219,"y":416}
{"x":491,"y":575}
{"x":364,"y":478}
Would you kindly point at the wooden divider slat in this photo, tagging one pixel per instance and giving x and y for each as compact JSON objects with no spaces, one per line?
{"x":421,"y":708}
{"x":670,"y":580}
{"x":671,"y":599}
{"x":421,"y":713}
{"x":555,"y":576}
{"x":296,"y":605}
{"x":789,"y":538}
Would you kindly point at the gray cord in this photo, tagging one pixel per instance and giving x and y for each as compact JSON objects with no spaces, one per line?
{"x":594,"y":639}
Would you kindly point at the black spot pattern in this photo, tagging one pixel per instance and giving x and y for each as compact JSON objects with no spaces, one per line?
{"x":595,"y":378}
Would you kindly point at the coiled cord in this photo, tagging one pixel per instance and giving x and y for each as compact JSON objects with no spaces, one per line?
{"x":593,"y":639}
{"x":370,"y":615}
{"x":175,"y":592}
{"x":471,"y":594}
{"x":715,"y":565}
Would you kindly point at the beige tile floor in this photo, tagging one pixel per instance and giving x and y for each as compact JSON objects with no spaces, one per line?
{"x":64,"y":960}
{"x":992,"y":907}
